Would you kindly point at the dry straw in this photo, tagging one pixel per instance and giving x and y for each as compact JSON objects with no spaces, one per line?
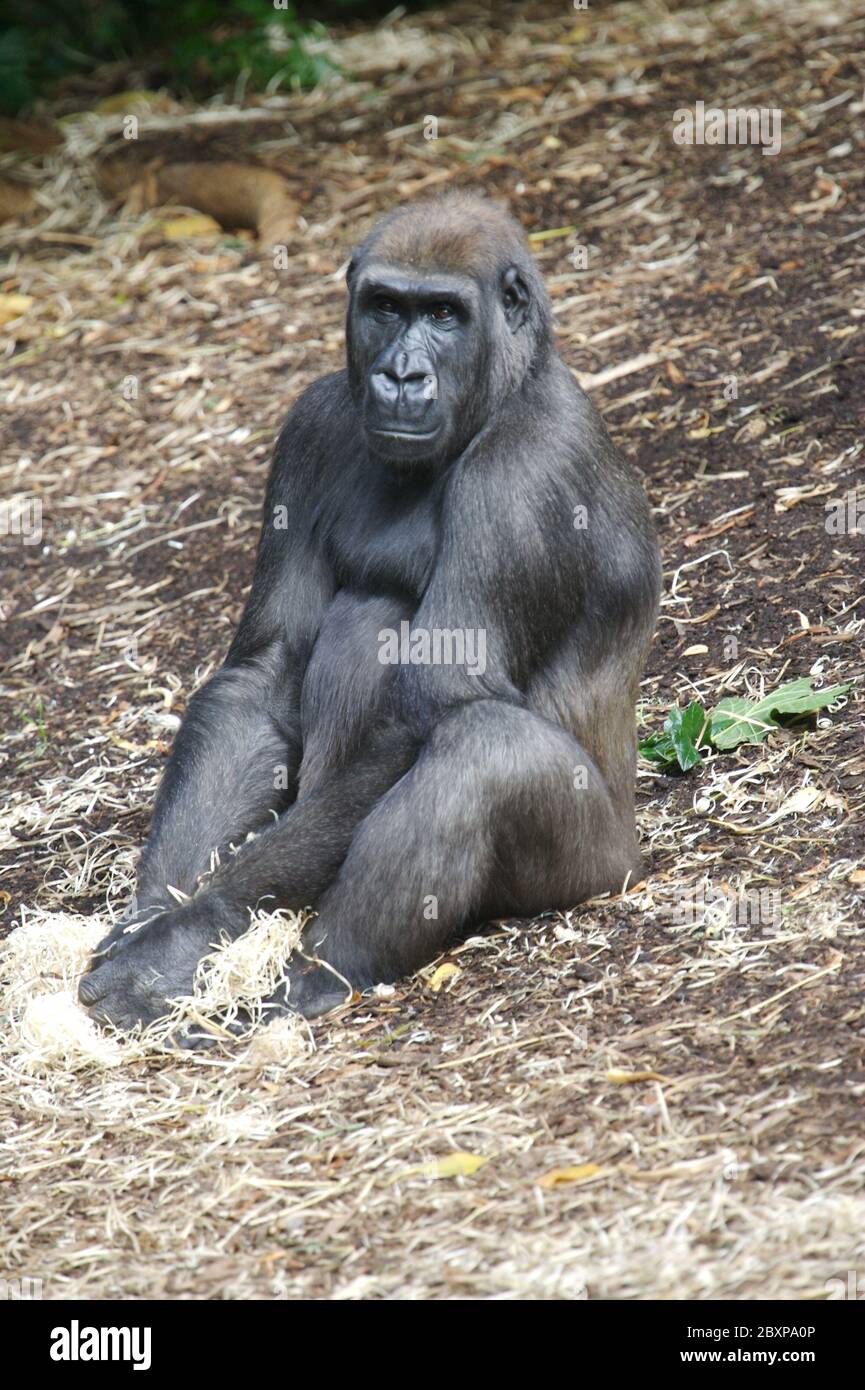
{"x":41,"y":962}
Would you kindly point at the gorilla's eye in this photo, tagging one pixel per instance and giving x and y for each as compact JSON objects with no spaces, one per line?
{"x":383,"y":305}
{"x":443,"y":313}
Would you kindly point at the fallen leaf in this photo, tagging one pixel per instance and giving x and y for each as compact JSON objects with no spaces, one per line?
{"x":455,"y":1165}
{"x":559,"y":1176}
{"x":128,"y":747}
{"x":627,"y":1078}
{"x":550,"y":234}
{"x":12,"y":306}
{"x":197,"y":224}
{"x":803,"y":799}
{"x":704,"y":431}
{"x":444,"y":972}
{"x":737,"y":720}
{"x":123,"y":103}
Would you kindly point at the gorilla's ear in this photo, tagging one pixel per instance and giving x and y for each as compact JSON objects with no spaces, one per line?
{"x":515,"y":298}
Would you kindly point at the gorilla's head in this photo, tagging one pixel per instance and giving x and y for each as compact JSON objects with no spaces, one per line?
{"x":447,"y":314}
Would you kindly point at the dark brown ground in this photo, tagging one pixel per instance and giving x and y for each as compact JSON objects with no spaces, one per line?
{"x":737,"y":1171}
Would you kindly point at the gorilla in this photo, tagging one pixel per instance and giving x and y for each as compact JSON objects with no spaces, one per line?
{"x":426,"y":716}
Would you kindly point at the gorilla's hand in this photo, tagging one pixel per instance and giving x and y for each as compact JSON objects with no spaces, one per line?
{"x":310,"y":990}
{"x":132,"y":920}
{"x":134,"y":975}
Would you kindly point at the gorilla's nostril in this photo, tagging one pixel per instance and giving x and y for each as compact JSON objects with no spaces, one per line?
{"x":385,"y":383}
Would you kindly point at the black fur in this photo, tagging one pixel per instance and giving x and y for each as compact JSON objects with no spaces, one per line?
{"x":406,"y":801}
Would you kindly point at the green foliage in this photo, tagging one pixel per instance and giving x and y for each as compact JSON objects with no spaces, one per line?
{"x":681,"y":740}
{"x":44,"y":40}
{"x":731,"y":722}
{"x":197,"y":45}
{"x":211,"y":44}
{"x":749,"y":721}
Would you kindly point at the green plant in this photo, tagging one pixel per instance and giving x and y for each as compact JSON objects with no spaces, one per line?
{"x":195,"y":45}
{"x":732,"y":721}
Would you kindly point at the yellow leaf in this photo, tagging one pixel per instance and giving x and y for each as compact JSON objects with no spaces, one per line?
{"x":134,"y":747}
{"x":197,"y":224}
{"x":520,"y":94}
{"x":857,"y":876}
{"x":704,"y":431}
{"x":122,"y":103}
{"x":455,"y":1165}
{"x":627,"y":1078}
{"x":551,"y":233}
{"x":12,"y":306}
{"x":445,"y":972}
{"x":696,"y":650}
{"x":559,"y":1176}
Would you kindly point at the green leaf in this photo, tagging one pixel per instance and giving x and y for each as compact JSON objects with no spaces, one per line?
{"x":732,"y":721}
{"x":736,"y":720}
{"x":686,"y":729}
{"x":683,"y":736}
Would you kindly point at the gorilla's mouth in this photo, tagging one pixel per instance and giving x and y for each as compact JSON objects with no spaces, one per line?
{"x":399,"y":432}
{"x":400,"y":444}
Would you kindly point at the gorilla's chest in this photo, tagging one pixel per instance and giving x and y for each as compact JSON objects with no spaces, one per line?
{"x":382,"y":549}
{"x":348,"y":684}
{"x":383,"y":540}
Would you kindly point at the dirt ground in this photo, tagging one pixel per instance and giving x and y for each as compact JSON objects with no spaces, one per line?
{"x":667,"y":1107}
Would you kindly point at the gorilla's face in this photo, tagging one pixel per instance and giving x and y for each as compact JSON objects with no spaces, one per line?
{"x":417,"y":353}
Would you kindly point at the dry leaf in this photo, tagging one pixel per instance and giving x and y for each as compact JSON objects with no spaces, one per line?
{"x":550,"y":234}
{"x":197,"y":224}
{"x":627,"y":1078}
{"x":445,"y":972}
{"x":703,"y":431}
{"x":803,"y":799}
{"x":124,"y":103}
{"x":559,"y":1176}
{"x":455,"y":1165}
{"x":12,"y":306}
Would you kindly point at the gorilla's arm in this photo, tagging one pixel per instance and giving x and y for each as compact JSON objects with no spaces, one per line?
{"x":235,"y":759}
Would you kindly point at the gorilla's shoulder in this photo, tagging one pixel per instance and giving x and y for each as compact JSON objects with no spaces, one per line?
{"x":324,"y":407}
{"x":318,"y":433}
